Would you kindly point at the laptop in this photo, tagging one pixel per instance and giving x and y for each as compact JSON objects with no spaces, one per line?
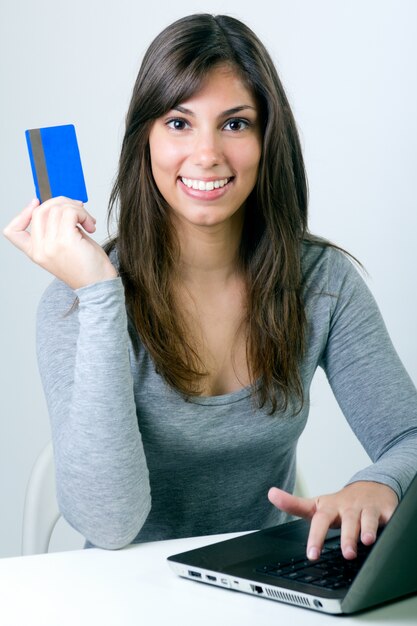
{"x":271,"y":563}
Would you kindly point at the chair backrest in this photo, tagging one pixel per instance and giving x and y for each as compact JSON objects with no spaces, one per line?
{"x":300,"y":488}
{"x":41,"y":512}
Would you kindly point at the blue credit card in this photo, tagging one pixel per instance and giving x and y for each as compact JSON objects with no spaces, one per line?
{"x":56,"y":163}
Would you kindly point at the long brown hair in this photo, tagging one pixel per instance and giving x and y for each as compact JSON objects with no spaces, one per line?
{"x":275,"y":223}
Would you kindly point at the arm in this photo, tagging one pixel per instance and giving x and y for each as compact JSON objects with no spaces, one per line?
{"x":102,"y":477}
{"x":370,"y":383}
{"x":380,"y":402}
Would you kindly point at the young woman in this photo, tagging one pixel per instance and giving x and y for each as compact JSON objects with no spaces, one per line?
{"x":177,"y":362}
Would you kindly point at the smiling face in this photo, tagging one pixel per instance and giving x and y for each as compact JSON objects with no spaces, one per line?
{"x":205,"y":152}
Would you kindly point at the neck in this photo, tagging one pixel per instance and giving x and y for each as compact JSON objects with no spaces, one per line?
{"x":209,"y":254}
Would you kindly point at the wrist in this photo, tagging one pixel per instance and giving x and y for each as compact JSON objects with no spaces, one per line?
{"x":108,"y":273}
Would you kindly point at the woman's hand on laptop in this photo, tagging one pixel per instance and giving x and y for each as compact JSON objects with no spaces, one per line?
{"x":358,"y":509}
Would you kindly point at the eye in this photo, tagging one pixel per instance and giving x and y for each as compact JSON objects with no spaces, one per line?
{"x":177,"y":123}
{"x":237,"y":124}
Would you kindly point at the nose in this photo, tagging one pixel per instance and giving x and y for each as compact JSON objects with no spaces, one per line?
{"x":207,"y":149}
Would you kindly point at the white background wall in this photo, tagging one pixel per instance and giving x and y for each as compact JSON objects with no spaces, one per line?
{"x":350,"y":73}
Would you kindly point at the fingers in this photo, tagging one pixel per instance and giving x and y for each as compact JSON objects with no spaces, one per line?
{"x":320,"y":510}
{"x":73,"y":210}
{"x":330,"y":515}
{"x":358,"y":509}
{"x":320,"y":524}
{"x":301,"y":507}
{"x":46,"y":221}
{"x":370,"y":521}
{"x":350,"y":529}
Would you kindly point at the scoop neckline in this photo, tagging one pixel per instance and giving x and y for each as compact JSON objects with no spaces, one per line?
{"x":225,"y":398}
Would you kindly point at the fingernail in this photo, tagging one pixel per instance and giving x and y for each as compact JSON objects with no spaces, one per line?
{"x":313,"y":554}
{"x":368,"y":538}
{"x":350,"y":552}
{"x":33,"y":201}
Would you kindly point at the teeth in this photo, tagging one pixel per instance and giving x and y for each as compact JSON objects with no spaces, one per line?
{"x":202,"y":185}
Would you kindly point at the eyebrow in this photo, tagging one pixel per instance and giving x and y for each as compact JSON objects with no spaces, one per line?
{"x":232,"y":111}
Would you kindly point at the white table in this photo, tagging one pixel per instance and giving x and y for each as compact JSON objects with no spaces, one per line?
{"x":135,"y":586}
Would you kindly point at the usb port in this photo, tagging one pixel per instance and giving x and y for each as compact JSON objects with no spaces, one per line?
{"x":212,"y":578}
{"x":194,"y":574}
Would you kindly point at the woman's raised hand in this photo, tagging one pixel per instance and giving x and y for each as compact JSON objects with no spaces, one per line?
{"x":58,"y":241}
{"x":358,"y":509}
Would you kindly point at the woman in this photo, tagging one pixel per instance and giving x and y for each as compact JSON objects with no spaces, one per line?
{"x":177,"y":363}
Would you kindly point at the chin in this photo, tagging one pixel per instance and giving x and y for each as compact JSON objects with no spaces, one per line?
{"x":209,"y":216}
{"x":208,"y":220}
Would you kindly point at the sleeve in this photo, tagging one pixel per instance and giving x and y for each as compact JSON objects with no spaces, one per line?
{"x":368,"y":379}
{"x":83,"y":354}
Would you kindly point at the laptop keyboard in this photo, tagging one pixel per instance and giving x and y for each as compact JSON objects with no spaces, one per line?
{"x":332,"y":570}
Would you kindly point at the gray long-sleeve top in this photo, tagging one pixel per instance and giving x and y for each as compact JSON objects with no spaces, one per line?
{"x":135,"y":461}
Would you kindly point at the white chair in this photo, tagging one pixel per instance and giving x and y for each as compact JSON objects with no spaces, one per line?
{"x":41,"y":512}
{"x":300,"y":488}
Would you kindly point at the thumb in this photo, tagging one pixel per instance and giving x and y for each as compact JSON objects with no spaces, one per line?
{"x":16,"y":231}
{"x":301,"y":507}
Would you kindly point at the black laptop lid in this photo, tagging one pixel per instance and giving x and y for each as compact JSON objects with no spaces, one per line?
{"x":390,"y":570}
